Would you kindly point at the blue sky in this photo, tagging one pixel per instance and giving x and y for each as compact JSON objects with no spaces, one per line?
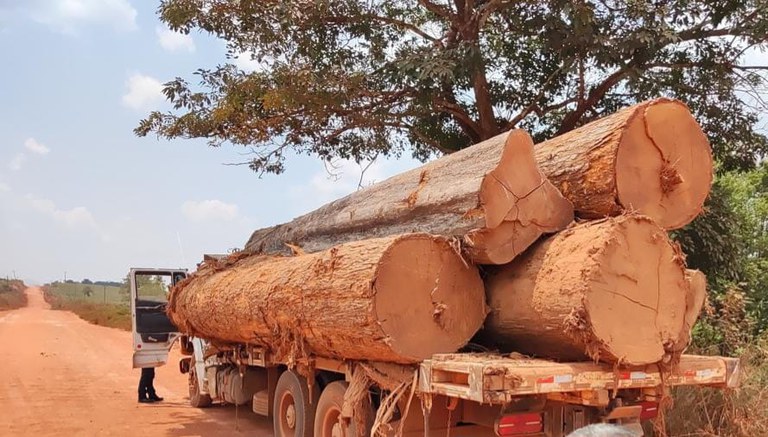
{"x":79,"y":193}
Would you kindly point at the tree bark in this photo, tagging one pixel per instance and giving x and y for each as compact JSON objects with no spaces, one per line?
{"x":613,"y":290}
{"x":652,"y":158}
{"x":492,"y":194}
{"x":395,"y":299}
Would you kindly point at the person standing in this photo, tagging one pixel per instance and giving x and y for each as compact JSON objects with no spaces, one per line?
{"x":147,"y":392}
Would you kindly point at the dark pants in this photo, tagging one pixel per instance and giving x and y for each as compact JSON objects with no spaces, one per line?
{"x":146,"y":389}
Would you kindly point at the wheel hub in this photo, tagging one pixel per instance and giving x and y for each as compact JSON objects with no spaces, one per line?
{"x":337,"y":431}
{"x":290,"y":416}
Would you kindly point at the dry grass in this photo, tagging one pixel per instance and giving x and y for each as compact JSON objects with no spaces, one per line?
{"x":742,"y":412}
{"x":12,"y":295}
{"x":102,"y":314}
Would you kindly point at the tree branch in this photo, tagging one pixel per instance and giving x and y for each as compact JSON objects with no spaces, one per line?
{"x":436,"y":9}
{"x":534,"y":105}
{"x":470,"y":127}
{"x":489,"y":8}
{"x":399,"y":23}
{"x":597,"y":93}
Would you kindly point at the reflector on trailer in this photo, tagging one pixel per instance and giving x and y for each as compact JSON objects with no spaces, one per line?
{"x":519,"y":424}
{"x":650,"y":410}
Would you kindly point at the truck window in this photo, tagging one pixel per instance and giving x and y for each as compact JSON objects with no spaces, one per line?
{"x":152,"y":287}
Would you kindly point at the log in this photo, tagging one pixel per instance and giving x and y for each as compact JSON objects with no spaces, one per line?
{"x":652,"y":158}
{"x":492,"y":194}
{"x":694,"y":302}
{"x":613,"y":290}
{"x":396,"y":299}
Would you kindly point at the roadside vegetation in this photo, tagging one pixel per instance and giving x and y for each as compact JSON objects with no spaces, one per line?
{"x":100,"y":303}
{"x":730,"y":244}
{"x":12,"y":294}
{"x":702,"y":411}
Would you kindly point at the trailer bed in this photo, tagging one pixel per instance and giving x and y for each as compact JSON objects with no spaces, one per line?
{"x":496,"y":379}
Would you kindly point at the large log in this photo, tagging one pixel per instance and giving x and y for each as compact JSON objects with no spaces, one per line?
{"x":492,"y":194}
{"x":652,"y":158}
{"x":613,"y":290}
{"x":694,"y":302}
{"x":395,"y":299}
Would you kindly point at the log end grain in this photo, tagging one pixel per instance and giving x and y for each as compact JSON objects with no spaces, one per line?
{"x":427,"y":299}
{"x":637,"y":298}
{"x":694,"y":302}
{"x":664,"y":164}
{"x":519,"y":205}
{"x":614,"y":290}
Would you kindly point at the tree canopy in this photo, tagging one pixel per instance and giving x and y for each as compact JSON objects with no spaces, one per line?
{"x":354,"y":79}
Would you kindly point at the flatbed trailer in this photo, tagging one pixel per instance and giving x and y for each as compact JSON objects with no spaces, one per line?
{"x":480,"y":393}
{"x":460,"y":394}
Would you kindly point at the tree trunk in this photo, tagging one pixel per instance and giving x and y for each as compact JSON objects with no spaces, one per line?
{"x":613,"y":290}
{"x":652,"y":158}
{"x":395,"y":299}
{"x":492,"y":194}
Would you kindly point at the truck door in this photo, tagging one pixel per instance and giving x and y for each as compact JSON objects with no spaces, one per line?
{"x":153,"y":331}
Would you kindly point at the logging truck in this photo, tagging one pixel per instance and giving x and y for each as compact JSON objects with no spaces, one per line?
{"x":476,"y":393}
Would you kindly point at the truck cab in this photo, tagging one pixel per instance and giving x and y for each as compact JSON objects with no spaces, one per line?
{"x":153,"y":332}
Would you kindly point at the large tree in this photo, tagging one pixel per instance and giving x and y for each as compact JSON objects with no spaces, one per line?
{"x":356,"y":79}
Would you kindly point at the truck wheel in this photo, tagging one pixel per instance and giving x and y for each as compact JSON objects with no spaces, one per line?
{"x":327,"y":423}
{"x":196,"y":399}
{"x":293,"y":411}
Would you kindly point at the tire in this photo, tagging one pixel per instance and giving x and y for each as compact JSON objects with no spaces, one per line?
{"x":328,"y":411}
{"x":196,"y":399}
{"x":293,"y":413}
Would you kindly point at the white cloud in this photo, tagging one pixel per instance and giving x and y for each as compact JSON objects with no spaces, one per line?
{"x":174,"y":41}
{"x":209,"y":210}
{"x":34,"y":146}
{"x":17,"y":162}
{"x":4,"y":188}
{"x":68,"y":16}
{"x":78,"y":217}
{"x":245,"y":62}
{"x":143,"y":91}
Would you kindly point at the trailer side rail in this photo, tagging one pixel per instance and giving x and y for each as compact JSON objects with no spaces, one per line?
{"x":495,"y":379}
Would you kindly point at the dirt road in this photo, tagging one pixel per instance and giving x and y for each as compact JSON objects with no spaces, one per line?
{"x":62,"y":376}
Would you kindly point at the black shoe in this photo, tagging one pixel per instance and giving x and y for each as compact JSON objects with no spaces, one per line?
{"x":155,"y":398}
{"x":145,"y":401}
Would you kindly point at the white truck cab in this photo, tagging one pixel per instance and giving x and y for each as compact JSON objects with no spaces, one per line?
{"x":153,"y":332}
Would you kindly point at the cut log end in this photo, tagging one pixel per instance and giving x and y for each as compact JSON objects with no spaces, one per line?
{"x":427,"y":299}
{"x":519,"y":205}
{"x":694,"y":302}
{"x":636,"y":302}
{"x":613,"y":290}
{"x":664,"y":164}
